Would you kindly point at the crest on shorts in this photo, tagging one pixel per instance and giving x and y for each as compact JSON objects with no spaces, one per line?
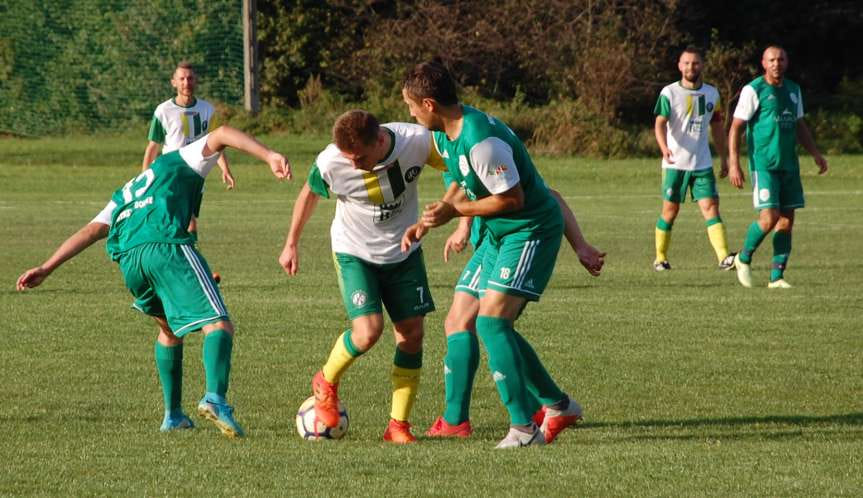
{"x":359,"y":298}
{"x":763,"y":194}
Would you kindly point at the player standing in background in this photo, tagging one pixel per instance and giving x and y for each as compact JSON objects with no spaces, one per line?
{"x":182,"y":120}
{"x":771,"y":109}
{"x":373,"y":170}
{"x":683,"y":111}
{"x":499,"y":184}
{"x":146,"y":223}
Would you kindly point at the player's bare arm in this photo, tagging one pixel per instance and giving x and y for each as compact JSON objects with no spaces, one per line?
{"x":80,"y":240}
{"x":441,"y":212}
{"x":735,"y":174}
{"x":721,"y":143}
{"x":226,"y":136}
{"x":150,"y":154}
{"x":227,"y":177}
{"x":304,"y":206}
{"x":805,"y":139}
{"x":659,"y":129}
{"x":591,"y":258}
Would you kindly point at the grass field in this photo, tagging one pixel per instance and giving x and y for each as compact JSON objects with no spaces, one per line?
{"x":692,"y":385}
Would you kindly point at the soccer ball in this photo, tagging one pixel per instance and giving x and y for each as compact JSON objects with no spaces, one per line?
{"x":309,"y":427}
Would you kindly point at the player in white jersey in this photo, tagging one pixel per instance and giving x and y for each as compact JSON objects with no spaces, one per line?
{"x":684,"y":111}
{"x":373,"y":170}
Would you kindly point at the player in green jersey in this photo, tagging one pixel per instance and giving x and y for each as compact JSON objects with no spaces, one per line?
{"x":684,"y":111}
{"x":462,"y":356}
{"x":771,"y":109}
{"x":146,"y":224}
{"x":524,"y":226}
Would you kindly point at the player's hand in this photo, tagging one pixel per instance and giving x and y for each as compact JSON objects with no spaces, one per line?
{"x":414,"y":233}
{"x":735,"y":175}
{"x":290,"y":259}
{"x":666,"y":155}
{"x":723,"y":169}
{"x":822,"y":164}
{"x":32,"y":278}
{"x":457,"y":241}
{"x":280,"y":166}
{"x":591,"y":259}
{"x":438,"y":213}
{"x":228,"y":179}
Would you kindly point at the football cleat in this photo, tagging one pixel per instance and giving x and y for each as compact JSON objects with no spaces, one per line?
{"x":744,"y":273}
{"x":326,"y":400}
{"x":217,"y":410}
{"x":176,"y":421}
{"x":442,"y":428}
{"x":399,"y":432}
{"x":661,"y":266}
{"x":557,"y":420}
{"x":727,"y":262}
{"x":518,"y":439}
{"x":779,"y":284}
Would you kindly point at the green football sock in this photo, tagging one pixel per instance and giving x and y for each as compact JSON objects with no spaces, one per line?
{"x":217,"y":360}
{"x":754,"y":237}
{"x":504,"y":360}
{"x":169,"y":365}
{"x":781,"y":252}
{"x":460,"y":364}
{"x":539,"y":382}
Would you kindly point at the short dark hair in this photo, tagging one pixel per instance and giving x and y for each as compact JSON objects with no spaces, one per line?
{"x":431,"y":80}
{"x":355,"y":127}
{"x":184,"y":64}
{"x":692,"y":49}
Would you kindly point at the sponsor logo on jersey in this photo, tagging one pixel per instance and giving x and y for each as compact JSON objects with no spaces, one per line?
{"x":710,"y":107}
{"x":463,"y":166}
{"x":359,"y":298}
{"x":412,"y":173}
{"x":388,"y":210}
{"x":499,"y":170}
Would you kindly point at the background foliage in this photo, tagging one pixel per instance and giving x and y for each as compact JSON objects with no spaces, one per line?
{"x":572,"y":76}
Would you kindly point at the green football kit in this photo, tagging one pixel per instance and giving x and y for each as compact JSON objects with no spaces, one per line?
{"x":148,"y":219}
{"x":518,"y":251}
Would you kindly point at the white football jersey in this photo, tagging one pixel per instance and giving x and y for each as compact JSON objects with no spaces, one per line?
{"x":689,"y":113}
{"x":374,"y":208}
{"x":176,"y":126}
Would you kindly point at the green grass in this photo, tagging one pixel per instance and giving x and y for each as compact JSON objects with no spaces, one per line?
{"x":691,"y":384}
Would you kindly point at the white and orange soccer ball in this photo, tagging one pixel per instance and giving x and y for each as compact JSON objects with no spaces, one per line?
{"x":312,"y":429}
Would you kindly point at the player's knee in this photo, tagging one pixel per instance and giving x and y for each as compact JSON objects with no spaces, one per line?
{"x":458,"y":322}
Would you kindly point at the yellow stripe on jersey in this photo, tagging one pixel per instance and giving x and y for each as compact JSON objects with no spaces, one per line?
{"x":184,"y":119}
{"x":434,"y":160}
{"x":373,"y":187}
{"x":689,"y":105}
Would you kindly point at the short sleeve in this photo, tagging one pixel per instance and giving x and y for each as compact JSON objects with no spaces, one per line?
{"x":157,"y":131}
{"x":663,"y":106}
{"x":193,"y":154}
{"x":494,"y":164}
{"x":747,"y":104}
{"x":104,"y":216}
{"x":799,"y":104}
{"x":317,"y":184}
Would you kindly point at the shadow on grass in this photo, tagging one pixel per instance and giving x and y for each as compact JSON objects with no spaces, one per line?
{"x":771,"y":427}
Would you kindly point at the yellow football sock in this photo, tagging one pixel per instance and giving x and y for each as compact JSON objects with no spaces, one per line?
{"x":716,"y":234}
{"x":406,"y":383}
{"x":343,"y":354}
{"x":663,"y":239}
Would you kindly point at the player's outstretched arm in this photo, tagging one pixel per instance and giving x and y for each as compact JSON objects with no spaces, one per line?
{"x":304,"y":206}
{"x":226,"y":136}
{"x":82,"y":239}
{"x":735,"y":174}
{"x":590,"y":257}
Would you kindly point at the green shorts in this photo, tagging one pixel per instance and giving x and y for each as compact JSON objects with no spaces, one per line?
{"x":521,"y":263}
{"x":468,"y":282}
{"x":173,"y":281}
{"x":402,"y":287}
{"x":700,"y":183}
{"x":781,"y":190}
